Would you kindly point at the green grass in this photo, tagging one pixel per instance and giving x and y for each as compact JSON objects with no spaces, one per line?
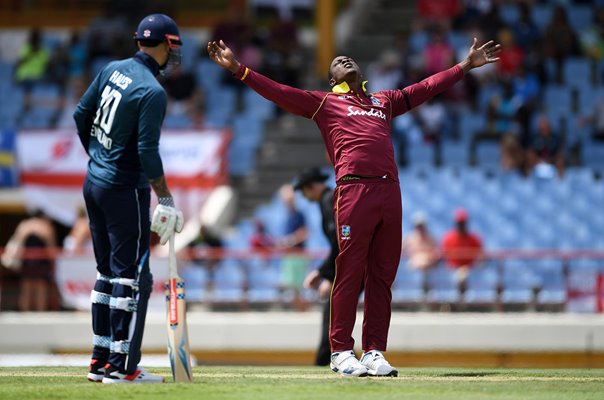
{"x":260,"y":383}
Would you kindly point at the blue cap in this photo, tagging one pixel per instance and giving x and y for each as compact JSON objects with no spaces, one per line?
{"x":158,"y":28}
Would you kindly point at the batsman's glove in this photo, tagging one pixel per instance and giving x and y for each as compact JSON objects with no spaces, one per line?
{"x":166,"y":219}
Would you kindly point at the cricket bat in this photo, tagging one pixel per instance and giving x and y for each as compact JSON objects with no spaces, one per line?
{"x":176,"y":319}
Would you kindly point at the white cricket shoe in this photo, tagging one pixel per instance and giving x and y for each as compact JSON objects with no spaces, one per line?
{"x":114,"y":376}
{"x":347,"y":364}
{"x":377,"y":365}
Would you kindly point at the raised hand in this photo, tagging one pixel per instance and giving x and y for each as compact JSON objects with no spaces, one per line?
{"x":222,"y":55}
{"x":479,"y":56}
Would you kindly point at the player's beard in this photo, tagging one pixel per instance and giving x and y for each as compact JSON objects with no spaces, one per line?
{"x":174,"y":59}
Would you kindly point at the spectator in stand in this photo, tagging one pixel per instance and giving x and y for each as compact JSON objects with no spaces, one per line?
{"x":526,"y":33}
{"x":592,"y":38}
{"x":282,"y":57}
{"x":294,"y":261}
{"x":511,"y":153}
{"x":260,"y":239}
{"x":438,"y":54}
{"x":546,"y":155}
{"x":461,"y":248}
{"x":31,"y":67}
{"x":181,"y":87}
{"x":512,"y":56}
{"x":210,"y":240}
{"x":419,"y":245}
{"x":595,"y":118}
{"x":105,"y":39}
{"x":79,"y":237}
{"x":386,"y":72}
{"x":439,"y":10}
{"x":33,"y":245}
{"x":432,"y":119}
{"x":560,"y":41}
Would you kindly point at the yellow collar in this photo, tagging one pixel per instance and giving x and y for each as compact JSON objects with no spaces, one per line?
{"x":344,"y":88}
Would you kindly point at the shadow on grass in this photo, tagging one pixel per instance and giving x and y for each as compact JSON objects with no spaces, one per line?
{"x":477,"y":374}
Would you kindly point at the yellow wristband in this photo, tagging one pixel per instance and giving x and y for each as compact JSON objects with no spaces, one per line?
{"x":245,"y":73}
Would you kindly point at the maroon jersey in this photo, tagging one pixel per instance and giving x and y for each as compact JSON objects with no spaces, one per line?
{"x":355,"y":126}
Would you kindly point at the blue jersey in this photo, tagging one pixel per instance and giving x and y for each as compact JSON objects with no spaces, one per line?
{"x":119,"y":120}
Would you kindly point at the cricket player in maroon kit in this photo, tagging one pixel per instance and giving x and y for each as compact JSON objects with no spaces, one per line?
{"x":356,"y":130}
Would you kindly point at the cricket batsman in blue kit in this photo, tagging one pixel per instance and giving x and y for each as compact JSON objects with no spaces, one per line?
{"x":119,"y":120}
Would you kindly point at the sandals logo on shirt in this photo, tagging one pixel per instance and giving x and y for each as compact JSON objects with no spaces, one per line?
{"x":345,"y":230}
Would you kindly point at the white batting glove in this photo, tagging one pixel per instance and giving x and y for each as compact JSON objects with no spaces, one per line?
{"x":166,"y":220}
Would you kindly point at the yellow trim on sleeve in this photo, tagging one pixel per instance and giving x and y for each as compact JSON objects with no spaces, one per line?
{"x":247,"y":70}
{"x":320,"y":105}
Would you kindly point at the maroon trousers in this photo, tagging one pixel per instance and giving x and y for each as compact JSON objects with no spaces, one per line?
{"x":368,"y":215}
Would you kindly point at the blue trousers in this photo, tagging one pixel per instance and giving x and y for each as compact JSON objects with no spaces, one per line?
{"x":120,"y":226}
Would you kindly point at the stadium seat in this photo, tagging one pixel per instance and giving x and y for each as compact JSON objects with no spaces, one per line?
{"x":408,"y":288}
{"x":421,"y":155}
{"x":518,"y":283}
{"x":455,"y":154}
{"x":557,"y":99}
{"x":469,"y":125}
{"x":197,"y":279}
{"x":263,"y":282}
{"x":228,"y":285}
{"x":509,"y":13}
{"x":481,"y":288}
{"x":580,"y":17}
{"x":542,"y":15}
{"x":552,"y":292}
{"x":593,"y":154}
{"x":576,"y":73}
{"x":443,"y":288}
{"x":488,"y":155}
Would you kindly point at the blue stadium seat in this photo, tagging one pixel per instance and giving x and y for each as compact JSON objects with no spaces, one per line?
{"x":197,"y":279}
{"x":408,"y":288}
{"x":257,"y":106}
{"x":557,"y":99}
{"x":177,"y":121}
{"x":221,"y":107}
{"x":542,"y":15}
{"x":576,"y":73}
{"x":263,"y":282}
{"x":455,"y":154}
{"x":509,"y":13}
{"x":208,"y":75}
{"x":593,"y":154}
{"x":580,"y":17}
{"x":518,"y":283}
{"x":552,"y":291}
{"x":470,"y":124}
{"x":443,"y":287}
{"x":481,"y":287}
{"x":229,"y":281}
{"x":488,"y":155}
{"x":421,"y":155}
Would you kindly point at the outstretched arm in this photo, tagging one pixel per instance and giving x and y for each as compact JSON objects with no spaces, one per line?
{"x":300,"y":102}
{"x":414,"y":95}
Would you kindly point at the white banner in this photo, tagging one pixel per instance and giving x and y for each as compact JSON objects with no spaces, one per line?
{"x":53,"y":166}
{"x":76,"y":277}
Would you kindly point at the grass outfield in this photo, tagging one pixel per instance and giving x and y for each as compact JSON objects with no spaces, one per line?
{"x":311,"y":383}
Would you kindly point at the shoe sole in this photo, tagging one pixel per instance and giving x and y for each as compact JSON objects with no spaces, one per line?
{"x":393,"y":373}
{"x":94,"y":377}
{"x":124,"y":382}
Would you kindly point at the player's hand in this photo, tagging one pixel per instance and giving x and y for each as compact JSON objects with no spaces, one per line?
{"x":166,"y":220}
{"x":479,"y":56}
{"x":324,"y":289}
{"x":312,"y":280}
{"x":222,"y":55}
